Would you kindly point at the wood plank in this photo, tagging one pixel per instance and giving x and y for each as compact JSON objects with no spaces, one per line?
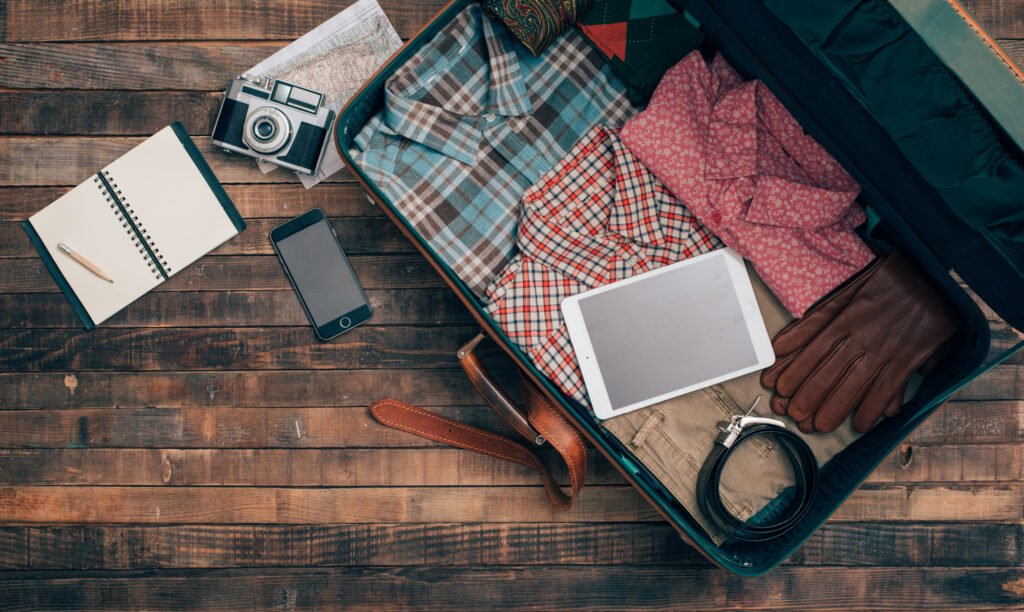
{"x":261,"y":348}
{"x":167,"y":547}
{"x":1000,"y":18}
{"x":358,"y":235}
{"x":275,"y":427}
{"x":252,"y":505}
{"x":953,"y":463}
{"x":196,"y":66}
{"x":434,"y":467}
{"x":1005,"y":337}
{"x":279,"y":201}
{"x":300,"y":427}
{"x":1003,"y":382}
{"x":260,"y":20}
{"x":220,"y":427}
{"x":231,"y":309}
{"x":928,"y":545}
{"x":243,"y":546}
{"x":966,"y":422}
{"x":163,"y":66}
{"x":1014,"y":48}
{"x":415,"y":467}
{"x":204,"y":309}
{"x":27,"y":161}
{"x":269,"y":388}
{"x":240,"y":273}
{"x":122,"y":20}
{"x":102,"y":113}
{"x":986,"y":503}
{"x":476,"y":588}
{"x":29,"y":342}
{"x":283,"y":388}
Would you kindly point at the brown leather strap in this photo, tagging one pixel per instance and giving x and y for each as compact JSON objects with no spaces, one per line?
{"x":493,"y":394}
{"x":541,"y":415}
{"x":546,"y":419}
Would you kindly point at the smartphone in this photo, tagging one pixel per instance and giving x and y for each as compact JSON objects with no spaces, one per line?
{"x":321,"y":274}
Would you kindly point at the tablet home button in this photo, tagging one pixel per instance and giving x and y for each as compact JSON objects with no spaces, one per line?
{"x":345,"y":322}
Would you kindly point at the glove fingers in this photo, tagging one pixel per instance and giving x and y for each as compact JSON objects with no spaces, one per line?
{"x":806,"y":365}
{"x":868,"y":420}
{"x":894,"y":407}
{"x":885,"y":390}
{"x":779,"y":404}
{"x":810,"y":398}
{"x":845,"y":395}
{"x":770,"y":375}
{"x":897,"y":404}
{"x":798,"y":333}
{"x":801,"y":331}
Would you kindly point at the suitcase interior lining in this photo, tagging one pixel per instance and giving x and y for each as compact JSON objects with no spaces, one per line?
{"x":841,"y":476}
{"x":753,"y":39}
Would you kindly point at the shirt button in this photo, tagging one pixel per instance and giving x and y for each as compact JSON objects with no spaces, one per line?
{"x":488,"y":117}
{"x":716,"y":217}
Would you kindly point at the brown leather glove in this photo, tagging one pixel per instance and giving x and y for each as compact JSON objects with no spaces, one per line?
{"x":788,"y":345}
{"x":859,"y":349}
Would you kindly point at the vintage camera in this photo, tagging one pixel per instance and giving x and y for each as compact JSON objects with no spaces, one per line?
{"x":277,"y":121}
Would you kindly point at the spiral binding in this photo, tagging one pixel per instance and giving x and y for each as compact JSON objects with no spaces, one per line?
{"x":132,"y":226}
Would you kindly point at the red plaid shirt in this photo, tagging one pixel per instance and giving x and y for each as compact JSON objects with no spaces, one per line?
{"x":597,"y":217}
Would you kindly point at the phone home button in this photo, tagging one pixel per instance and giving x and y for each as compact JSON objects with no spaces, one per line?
{"x":345,"y":322}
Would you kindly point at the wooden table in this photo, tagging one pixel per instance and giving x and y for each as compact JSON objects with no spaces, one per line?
{"x":203,"y":449}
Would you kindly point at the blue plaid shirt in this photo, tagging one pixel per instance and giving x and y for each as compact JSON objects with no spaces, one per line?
{"x":470,"y":122}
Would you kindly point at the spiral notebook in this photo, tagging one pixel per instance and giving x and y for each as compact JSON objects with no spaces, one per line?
{"x":141,"y":220}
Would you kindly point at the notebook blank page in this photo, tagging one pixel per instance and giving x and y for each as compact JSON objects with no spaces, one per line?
{"x":172,"y":200}
{"x":83,"y":220}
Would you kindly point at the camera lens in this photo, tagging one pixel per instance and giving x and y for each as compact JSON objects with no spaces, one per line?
{"x":267,"y":130}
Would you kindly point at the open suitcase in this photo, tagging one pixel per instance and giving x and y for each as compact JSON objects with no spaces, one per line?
{"x":905,"y":211}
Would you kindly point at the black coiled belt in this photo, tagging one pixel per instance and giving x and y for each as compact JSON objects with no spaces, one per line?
{"x":805,"y":470}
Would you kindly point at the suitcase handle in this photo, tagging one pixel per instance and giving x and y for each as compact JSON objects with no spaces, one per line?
{"x":539,"y":415}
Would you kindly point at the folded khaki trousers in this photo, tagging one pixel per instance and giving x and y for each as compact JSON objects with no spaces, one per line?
{"x":673,"y":438}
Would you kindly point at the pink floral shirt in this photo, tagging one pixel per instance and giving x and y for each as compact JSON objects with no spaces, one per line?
{"x":741,"y":163}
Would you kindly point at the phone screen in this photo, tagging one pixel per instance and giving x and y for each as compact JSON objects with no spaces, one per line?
{"x":321,"y":273}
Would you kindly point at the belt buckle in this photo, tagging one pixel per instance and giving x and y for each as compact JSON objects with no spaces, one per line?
{"x":731,"y":432}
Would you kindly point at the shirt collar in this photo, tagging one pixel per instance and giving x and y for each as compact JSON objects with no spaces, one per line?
{"x":635,"y":205}
{"x":507,"y":93}
{"x":479,"y":55}
{"x":736,"y":119}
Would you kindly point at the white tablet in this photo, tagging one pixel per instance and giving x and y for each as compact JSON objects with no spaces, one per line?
{"x":667,"y":332}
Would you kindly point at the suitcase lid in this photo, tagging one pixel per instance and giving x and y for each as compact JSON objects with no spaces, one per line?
{"x":976,"y":59}
{"x":761,"y":46}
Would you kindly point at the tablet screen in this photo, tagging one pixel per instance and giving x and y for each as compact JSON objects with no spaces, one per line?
{"x":667,"y":332}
